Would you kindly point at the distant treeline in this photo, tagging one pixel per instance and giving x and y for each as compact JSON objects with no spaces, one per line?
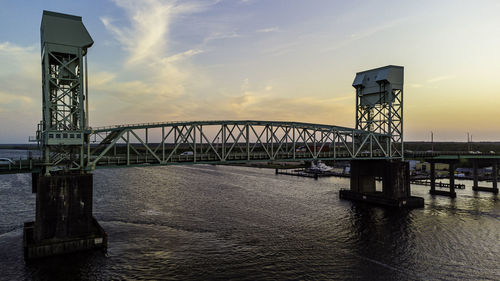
{"x":22,"y":146}
{"x":484,"y":147}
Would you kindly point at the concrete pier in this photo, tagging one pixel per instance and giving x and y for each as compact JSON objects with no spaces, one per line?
{"x":451,"y":170}
{"x":395,"y":184}
{"x":64,"y":221}
{"x":433,"y":177}
{"x":494,"y":176}
{"x":475,"y":174}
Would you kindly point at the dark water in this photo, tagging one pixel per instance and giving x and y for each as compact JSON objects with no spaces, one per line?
{"x":214,"y":222}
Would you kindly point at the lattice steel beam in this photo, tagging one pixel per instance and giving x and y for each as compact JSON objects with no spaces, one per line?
{"x":230,"y":141}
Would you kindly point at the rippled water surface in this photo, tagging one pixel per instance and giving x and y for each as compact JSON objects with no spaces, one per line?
{"x":217,"y":222}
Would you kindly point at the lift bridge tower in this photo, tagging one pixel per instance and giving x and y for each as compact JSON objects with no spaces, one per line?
{"x":64,"y":189}
{"x":379,"y":109}
{"x":64,"y":44}
{"x":379,"y":105}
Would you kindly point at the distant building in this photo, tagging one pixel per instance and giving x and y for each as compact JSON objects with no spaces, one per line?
{"x":481,"y":171}
{"x":413,"y":164}
{"x":441,"y":169}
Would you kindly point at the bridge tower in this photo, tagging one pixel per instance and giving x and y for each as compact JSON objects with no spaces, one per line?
{"x":379,"y":109}
{"x":64,"y":189}
{"x":64,"y":44}
{"x":379,"y":105}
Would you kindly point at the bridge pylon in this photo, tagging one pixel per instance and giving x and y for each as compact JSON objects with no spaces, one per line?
{"x":379,"y":105}
{"x":379,"y":109}
{"x":64,"y":189}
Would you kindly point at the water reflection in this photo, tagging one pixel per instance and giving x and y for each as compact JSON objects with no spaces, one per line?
{"x":215,"y":222}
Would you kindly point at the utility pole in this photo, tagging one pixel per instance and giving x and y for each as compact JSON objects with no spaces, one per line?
{"x":432,"y":141}
{"x":468,"y":141}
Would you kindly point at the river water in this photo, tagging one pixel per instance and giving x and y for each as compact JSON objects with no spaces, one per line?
{"x":222,"y":222}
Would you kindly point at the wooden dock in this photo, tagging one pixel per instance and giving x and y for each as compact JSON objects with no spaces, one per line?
{"x":438,"y":184}
{"x":309,"y":174}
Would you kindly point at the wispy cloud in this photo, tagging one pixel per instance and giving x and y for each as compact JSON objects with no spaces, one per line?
{"x":146,"y":36}
{"x":365,"y":33}
{"x":7,"y":47}
{"x":151,"y":75}
{"x":267,"y":30}
{"x":20,"y":91}
{"x":221,"y":35}
{"x":415,"y":85}
{"x":440,"y":78}
{"x":182,"y":56}
{"x":266,"y":102}
{"x":281,"y":49}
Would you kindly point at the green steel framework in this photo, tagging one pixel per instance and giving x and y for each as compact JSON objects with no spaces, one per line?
{"x":215,"y":142}
{"x":230,"y":141}
{"x":385,"y":116}
{"x":67,"y":143}
{"x":61,"y":133}
{"x":112,"y":160}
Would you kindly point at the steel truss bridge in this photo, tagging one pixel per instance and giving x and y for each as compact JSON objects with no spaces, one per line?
{"x":67,"y":142}
{"x":215,"y":142}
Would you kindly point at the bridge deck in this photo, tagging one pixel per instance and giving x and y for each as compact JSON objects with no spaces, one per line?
{"x":120,"y":161}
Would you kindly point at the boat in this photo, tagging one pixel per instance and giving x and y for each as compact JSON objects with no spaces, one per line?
{"x":319,"y":167}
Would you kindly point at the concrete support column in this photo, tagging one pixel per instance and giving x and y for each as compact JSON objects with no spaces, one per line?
{"x":63,"y":222}
{"x":362,"y":177}
{"x":451,"y":172}
{"x":396,"y":180}
{"x":433,"y":177}
{"x":495,"y":176}
{"x":475,"y":174}
{"x":395,"y":184}
{"x":63,"y":206}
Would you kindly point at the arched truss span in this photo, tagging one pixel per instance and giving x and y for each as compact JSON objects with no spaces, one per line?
{"x":219,"y":142}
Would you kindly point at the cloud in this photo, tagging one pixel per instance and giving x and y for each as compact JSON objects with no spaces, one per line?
{"x":183,"y":55}
{"x":280,"y":49}
{"x":153,"y":83}
{"x":221,"y":35}
{"x":19,"y":59}
{"x":365,"y":33}
{"x":440,"y":78}
{"x":151,"y":74}
{"x":7,"y":47}
{"x":146,"y":37}
{"x":415,"y":85}
{"x":267,"y":102}
{"x":19,"y":77}
{"x":20,"y":91}
{"x":267,"y":30}
{"x":254,"y":105}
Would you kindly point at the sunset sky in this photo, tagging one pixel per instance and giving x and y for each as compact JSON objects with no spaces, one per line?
{"x":290,"y":60}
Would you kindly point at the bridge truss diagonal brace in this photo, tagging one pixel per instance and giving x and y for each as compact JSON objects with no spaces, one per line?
{"x":183,"y":137}
{"x":108,"y":147}
{"x":146,"y":146}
